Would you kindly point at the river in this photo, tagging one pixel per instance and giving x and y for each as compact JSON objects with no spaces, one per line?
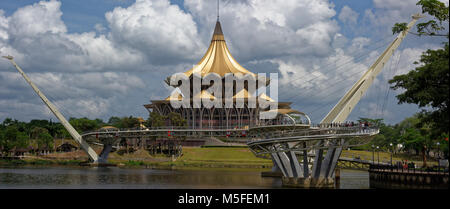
{"x":139,"y":178}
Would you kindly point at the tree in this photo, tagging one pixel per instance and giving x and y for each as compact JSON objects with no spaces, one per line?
{"x":124,"y":122}
{"x":45,"y":140}
{"x":22,"y":140}
{"x":37,"y":131}
{"x":84,"y":124}
{"x":176,"y":119}
{"x":376,"y":122}
{"x":2,"y":141}
{"x":129,"y":122}
{"x":114,"y":121}
{"x":443,"y":144}
{"x":428,"y":84}
{"x":156,"y":120}
{"x":416,"y":135}
{"x":437,"y":10}
{"x":13,"y":138}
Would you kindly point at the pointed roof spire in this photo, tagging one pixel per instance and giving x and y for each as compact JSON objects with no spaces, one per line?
{"x":218,"y":11}
{"x":218,"y":29}
{"x":218,"y":59}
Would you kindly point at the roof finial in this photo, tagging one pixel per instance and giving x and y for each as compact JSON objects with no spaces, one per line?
{"x":217,"y":10}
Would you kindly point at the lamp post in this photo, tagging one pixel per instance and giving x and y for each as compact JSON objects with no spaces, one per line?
{"x":438,"y":151}
{"x":439,"y":156}
{"x":378,"y":154}
{"x":373,"y":154}
{"x":392,"y":151}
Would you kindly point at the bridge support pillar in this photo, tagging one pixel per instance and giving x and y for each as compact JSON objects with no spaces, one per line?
{"x":295,"y":172}
{"x":103,"y":157}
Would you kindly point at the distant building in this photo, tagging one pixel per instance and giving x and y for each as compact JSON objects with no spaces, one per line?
{"x":66,"y":147}
{"x":218,"y":60}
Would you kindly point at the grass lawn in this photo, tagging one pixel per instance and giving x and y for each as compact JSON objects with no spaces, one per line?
{"x":221,"y":154}
{"x":207,"y":157}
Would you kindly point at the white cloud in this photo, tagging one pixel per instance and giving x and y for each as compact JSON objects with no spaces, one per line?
{"x":395,"y":5}
{"x":266,"y":29}
{"x":37,"y":19}
{"x":388,"y":12}
{"x":120,"y":65}
{"x":348,"y":16}
{"x":147,"y":32}
{"x":38,"y":39}
{"x":99,"y":28}
{"x":157,"y":29}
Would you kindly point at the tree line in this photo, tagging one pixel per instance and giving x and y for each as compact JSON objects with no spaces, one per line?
{"x":426,"y":86}
{"x":412,"y":136}
{"x":16,"y":134}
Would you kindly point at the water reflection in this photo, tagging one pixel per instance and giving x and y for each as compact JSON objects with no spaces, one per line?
{"x":115,"y":177}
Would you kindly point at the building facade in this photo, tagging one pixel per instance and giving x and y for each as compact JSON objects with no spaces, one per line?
{"x":219,"y":60}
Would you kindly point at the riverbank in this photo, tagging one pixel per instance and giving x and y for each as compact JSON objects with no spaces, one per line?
{"x":196,"y":157}
{"x":193,"y":157}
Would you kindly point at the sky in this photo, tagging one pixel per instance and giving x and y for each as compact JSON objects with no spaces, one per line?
{"x":106,"y":58}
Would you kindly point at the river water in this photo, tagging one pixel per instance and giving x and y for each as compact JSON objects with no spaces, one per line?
{"x":139,"y":178}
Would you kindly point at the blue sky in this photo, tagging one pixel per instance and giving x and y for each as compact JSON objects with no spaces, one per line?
{"x":106,"y":58}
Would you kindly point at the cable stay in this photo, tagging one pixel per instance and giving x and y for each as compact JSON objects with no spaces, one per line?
{"x":344,"y":107}
{"x":75,"y":135}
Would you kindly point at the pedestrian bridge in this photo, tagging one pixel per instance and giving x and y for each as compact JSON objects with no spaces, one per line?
{"x":311,"y":154}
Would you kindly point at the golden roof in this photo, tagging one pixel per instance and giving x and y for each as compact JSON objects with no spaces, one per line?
{"x":204,"y":94}
{"x":264,"y":96}
{"x":176,"y":96}
{"x":242,"y":94}
{"x":218,"y":58}
{"x":285,"y":111}
{"x":107,"y":127}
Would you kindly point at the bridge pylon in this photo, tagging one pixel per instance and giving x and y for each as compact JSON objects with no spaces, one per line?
{"x":326,"y":152}
{"x":93,"y":156}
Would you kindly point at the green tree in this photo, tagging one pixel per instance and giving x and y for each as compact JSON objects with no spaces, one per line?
{"x":377,"y":122}
{"x":114,"y":121}
{"x":37,"y":131}
{"x":433,"y":27}
{"x":124,"y":122}
{"x":428,"y":84}
{"x":45,"y":140}
{"x":416,"y":135}
{"x":418,"y":140}
{"x":13,"y":138}
{"x":156,"y":120}
{"x":129,"y":122}
{"x":22,"y":140}
{"x":176,"y":119}
{"x":443,"y":145}
{"x":2,"y":140}
{"x":84,"y":124}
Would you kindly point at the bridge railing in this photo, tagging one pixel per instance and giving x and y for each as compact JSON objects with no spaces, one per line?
{"x":409,"y":168}
{"x":317,"y":129}
{"x":321,"y":131}
{"x":166,"y":128}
